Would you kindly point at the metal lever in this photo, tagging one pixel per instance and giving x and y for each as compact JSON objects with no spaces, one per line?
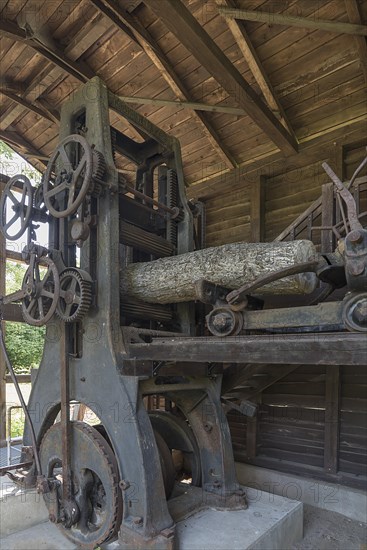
{"x":348,"y":198}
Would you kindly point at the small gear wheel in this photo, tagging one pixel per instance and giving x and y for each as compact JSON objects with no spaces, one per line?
{"x":99,"y":169}
{"x":75,"y":295}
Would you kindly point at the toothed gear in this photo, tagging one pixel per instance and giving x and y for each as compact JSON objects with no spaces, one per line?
{"x":99,"y":169}
{"x":95,"y":484}
{"x":75,"y":295}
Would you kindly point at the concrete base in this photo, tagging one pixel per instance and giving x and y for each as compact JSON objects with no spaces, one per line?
{"x":19,"y":509}
{"x":347,"y":501}
{"x":268,"y":523}
{"x":263,"y":526}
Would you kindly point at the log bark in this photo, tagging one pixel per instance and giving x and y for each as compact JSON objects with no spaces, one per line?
{"x":172,"y":280}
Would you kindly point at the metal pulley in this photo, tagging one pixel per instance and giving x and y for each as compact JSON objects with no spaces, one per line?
{"x":16,"y":207}
{"x":75,"y":165}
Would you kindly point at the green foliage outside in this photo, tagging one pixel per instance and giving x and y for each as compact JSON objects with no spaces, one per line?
{"x":23,"y":342}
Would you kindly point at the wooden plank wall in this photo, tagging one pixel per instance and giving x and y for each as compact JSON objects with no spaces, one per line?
{"x":313,"y":422}
{"x":228,"y":218}
{"x":293,"y":426}
{"x":286,"y":195}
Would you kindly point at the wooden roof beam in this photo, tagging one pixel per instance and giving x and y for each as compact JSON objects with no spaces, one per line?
{"x":271,"y":18}
{"x":122,"y":19}
{"x":253,"y":61}
{"x":187,"y":29}
{"x":79,"y":70}
{"x":25,"y":148}
{"x":40,"y":111}
{"x":354,"y":15}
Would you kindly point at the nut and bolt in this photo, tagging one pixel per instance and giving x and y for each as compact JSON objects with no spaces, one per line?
{"x":360,"y":312}
{"x":221,"y":321}
{"x":356,"y":268}
{"x":355,"y":237}
{"x":138,"y":520}
{"x":124,"y":484}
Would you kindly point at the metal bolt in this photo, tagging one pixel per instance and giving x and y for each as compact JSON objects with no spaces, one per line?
{"x":360,"y":312}
{"x":356,"y":268}
{"x":221,"y":321}
{"x":138,"y":520}
{"x":124,"y":484}
{"x":208,"y":427}
{"x":355,"y":237}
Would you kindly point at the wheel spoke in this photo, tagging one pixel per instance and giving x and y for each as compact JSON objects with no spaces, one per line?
{"x":40,"y":307}
{"x":71,"y":194}
{"x":11,"y":221}
{"x":31,"y":305}
{"x":57,"y":189}
{"x":65,"y":158}
{"x":79,"y":168}
{"x":68,"y":309}
{"x":12,"y":198}
{"x":47,"y":294}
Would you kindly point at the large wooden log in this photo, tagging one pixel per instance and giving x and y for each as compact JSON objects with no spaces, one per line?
{"x":172,"y":280}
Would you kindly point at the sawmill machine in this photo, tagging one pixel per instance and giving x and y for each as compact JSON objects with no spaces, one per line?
{"x":137,"y":310}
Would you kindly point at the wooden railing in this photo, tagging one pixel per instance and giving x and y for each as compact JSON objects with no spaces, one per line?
{"x":317,"y":221}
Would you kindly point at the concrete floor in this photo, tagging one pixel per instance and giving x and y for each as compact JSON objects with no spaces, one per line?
{"x":325,"y":530}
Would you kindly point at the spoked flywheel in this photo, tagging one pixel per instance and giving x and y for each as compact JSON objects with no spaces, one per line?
{"x":95,"y":485}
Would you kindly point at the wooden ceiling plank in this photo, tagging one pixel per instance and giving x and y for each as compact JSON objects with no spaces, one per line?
{"x":253,"y":61}
{"x":188,"y":30}
{"x":354,"y":15}
{"x":123,"y":19}
{"x":272,"y":18}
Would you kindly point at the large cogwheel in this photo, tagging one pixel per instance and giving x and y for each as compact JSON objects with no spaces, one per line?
{"x":75,"y":295}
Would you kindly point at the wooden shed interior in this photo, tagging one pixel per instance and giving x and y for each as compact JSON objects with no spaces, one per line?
{"x":259,"y":94}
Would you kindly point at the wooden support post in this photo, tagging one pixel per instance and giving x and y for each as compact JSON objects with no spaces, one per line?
{"x":2,"y":359}
{"x":258,"y":210}
{"x":332,"y":406}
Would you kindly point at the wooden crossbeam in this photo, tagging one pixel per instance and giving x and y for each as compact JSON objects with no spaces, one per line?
{"x":122,"y":19}
{"x":253,"y":61}
{"x":188,"y":30}
{"x":354,"y":16}
{"x":271,"y":18}
{"x":192,"y":105}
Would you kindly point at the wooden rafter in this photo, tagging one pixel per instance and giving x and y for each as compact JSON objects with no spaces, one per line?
{"x":86,"y":37}
{"x":239,"y":32}
{"x":337,"y":27}
{"x":123,"y":19}
{"x":25,"y":148}
{"x":40,"y":111}
{"x":188,"y":30}
{"x":360,"y":41}
{"x":79,"y":70}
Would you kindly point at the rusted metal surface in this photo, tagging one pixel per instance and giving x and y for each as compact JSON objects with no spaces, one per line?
{"x":100,"y":349}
